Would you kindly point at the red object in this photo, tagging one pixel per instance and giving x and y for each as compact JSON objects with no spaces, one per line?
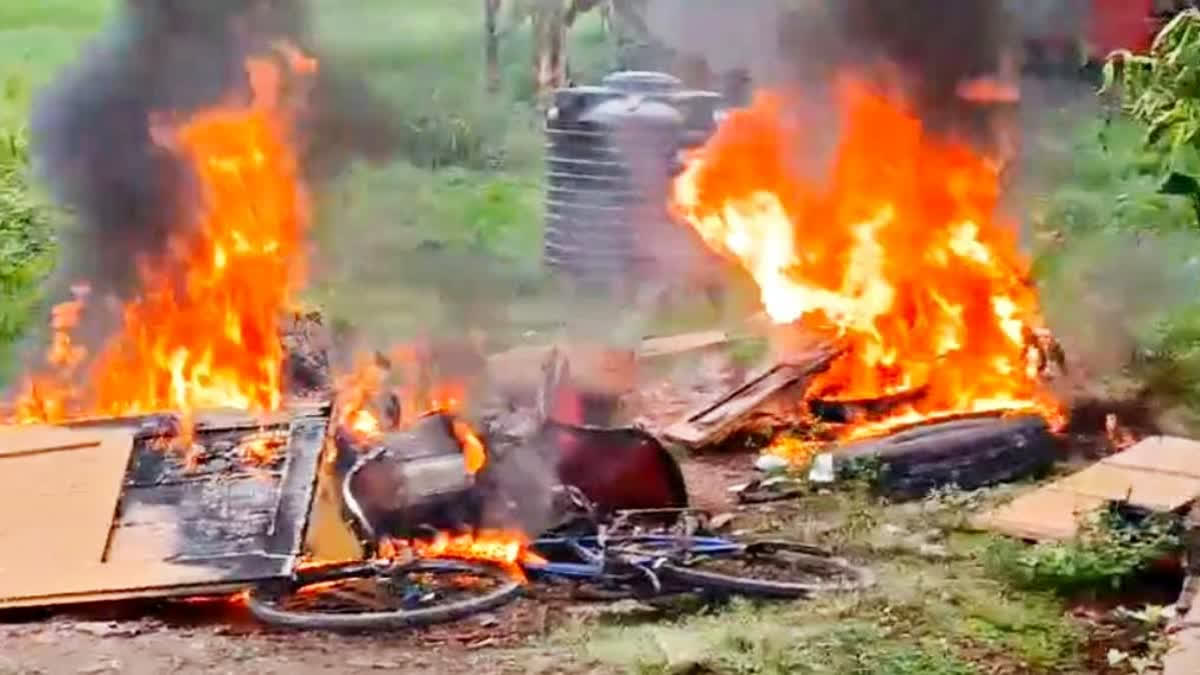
{"x":616,"y":468}
{"x":1121,"y":24}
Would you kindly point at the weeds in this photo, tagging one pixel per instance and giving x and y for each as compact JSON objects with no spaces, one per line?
{"x":867,"y":470}
{"x":1108,"y":551}
{"x":744,"y":643}
{"x":26,"y":241}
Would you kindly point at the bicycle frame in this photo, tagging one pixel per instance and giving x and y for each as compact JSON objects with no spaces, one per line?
{"x":595,"y":565}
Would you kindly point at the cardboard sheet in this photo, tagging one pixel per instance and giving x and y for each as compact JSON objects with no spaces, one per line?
{"x":60,"y":490}
{"x":1158,"y":474}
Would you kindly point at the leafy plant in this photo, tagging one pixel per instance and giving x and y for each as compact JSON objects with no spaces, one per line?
{"x":1109,"y":550}
{"x":26,"y":240}
{"x":868,"y":469}
{"x":1162,"y":89}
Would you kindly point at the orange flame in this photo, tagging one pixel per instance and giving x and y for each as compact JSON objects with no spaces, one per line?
{"x":897,"y":253}
{"x":509,"y":549}
{"x":474,"y":454}
{"x":365,"y":385}
{"x":204,"y":330}
{"x":355,"y":390}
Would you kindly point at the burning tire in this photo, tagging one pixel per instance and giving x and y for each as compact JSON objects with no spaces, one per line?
{"x":969,"y":454}
{"x":368,"y":596}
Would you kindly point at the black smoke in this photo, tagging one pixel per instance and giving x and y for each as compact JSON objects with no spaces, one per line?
{"x":937,"y":45}
{"x":92,"y":136}
{"x":929,"y":48}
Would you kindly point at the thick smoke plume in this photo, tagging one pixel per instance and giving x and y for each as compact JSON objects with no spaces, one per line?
{"x":92,"y":128}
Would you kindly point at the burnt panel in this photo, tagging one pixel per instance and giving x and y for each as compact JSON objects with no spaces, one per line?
{"x":236,"y":502}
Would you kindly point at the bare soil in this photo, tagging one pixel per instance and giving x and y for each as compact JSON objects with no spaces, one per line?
{"x":223,"y":638}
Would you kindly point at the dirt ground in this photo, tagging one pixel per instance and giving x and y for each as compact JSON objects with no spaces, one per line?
{"x":221,"y":637}
{"x":226,"y":641}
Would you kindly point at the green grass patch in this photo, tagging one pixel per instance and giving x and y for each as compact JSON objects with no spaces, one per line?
{"x":1108,"y":552}
{"x":944,"y":614}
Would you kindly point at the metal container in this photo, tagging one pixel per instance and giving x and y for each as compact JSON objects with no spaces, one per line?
{"x":412,"y":479}
{"x":611,"y":152}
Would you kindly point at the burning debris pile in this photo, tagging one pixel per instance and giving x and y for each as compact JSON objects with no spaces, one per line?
{"x":186,"y":143}
{"x":896,"y":256}
{"x":895,"y":261}
{"x":204,"y":329}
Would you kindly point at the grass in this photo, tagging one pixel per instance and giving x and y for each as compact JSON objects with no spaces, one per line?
{"x":944,"y":615}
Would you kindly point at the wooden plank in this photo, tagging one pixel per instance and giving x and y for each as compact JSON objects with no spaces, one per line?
{"x":712,"y":422}
{"x":1162,"y":454}
{"x":58,"y":493}
{"x":656,"y":347}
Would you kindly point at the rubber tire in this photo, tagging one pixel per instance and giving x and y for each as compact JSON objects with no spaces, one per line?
{"x":264,"y":611}
{"x":970,"y":453}
{"x":678,"y":575}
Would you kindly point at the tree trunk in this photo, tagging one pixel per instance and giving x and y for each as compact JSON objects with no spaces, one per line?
{"x":549,"y":48}
{"x":491,"y":44}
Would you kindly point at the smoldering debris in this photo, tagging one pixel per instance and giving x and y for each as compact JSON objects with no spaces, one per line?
{"x":92,"y":136}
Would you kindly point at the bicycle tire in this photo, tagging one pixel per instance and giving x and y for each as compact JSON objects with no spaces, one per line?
{"x":263,"y":604}
{"x":750,"y":586}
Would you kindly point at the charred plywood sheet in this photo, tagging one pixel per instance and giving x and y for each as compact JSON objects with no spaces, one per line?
{"x":230,"y":512}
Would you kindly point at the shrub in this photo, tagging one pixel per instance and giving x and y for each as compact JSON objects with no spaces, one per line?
{"x":26,"y":242}
{"x":1108,"y":551}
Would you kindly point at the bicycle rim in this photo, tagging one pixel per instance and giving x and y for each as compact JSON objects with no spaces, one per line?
{"x":360,"y":598}
{"x":774,"y":574}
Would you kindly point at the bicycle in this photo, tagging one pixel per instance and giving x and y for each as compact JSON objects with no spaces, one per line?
{"x":601,"y":566}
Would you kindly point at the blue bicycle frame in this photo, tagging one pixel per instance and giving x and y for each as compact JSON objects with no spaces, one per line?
{"x":590,"y":551}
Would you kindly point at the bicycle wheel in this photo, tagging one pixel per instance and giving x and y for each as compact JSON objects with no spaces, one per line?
{"x":373,"y":597}
{"x":767,"y":570}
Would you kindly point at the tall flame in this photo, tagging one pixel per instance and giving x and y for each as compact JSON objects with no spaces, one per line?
{"x":898,"y":252}
{"x":203,"y":331}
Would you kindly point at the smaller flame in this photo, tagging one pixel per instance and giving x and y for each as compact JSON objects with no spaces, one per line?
{"x":364,"y":423}
{"x":474,"y":454}
{"x":263,"y":448}
{"x":799,"y":452}
{"x":508,"y":549}
{"x":364,"y":387}
{"x":1119,"y":436}
{"x":354,"y":393}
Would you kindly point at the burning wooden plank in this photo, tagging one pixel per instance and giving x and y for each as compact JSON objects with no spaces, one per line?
{"x":716,"y":421}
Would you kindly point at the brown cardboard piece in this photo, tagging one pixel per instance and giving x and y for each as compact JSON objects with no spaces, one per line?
{"x":59,"y":490}
{"x":1158,"y":474}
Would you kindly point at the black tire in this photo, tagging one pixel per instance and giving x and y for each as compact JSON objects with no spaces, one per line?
{"x":813,"y":573}
{"x":271,"y":605}
{"x":969,"y":453}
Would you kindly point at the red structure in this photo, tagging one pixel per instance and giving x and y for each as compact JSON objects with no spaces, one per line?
{"x":1123,"y":24}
